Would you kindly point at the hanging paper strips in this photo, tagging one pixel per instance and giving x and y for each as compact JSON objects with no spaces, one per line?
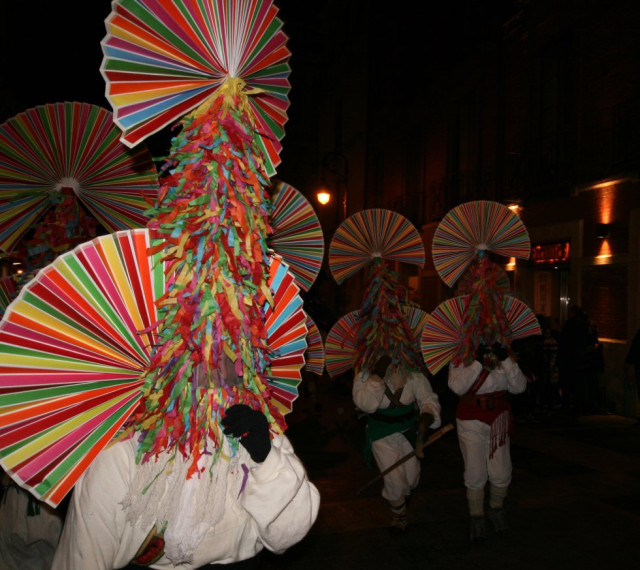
{"x":211,"y":224}
{"x":8,"y":290}
{"x":70,"y":148}
{"x":297,"y":234}
{"x":340,"y":344}
{"x":465,"y":283}
{"x":164,"y":58}
{"x":372,"y":234}
{"x":472,"y":227}
{"x":314,"y":356}
{"x":383,"y":326}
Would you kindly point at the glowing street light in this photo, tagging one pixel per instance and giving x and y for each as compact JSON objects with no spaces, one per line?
{"x":323,"y":197}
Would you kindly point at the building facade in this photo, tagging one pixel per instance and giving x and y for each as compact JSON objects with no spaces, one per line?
{"x":531,"y":103}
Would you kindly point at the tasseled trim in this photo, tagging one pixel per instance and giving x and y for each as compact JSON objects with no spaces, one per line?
{"x":501,"y":430}
{"x":500,"y":419}
{"x":162,"y":494}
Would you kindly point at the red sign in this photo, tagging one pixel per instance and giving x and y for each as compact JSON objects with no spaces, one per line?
{"x":550,"y":253}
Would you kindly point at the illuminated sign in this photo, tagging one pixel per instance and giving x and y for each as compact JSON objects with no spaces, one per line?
{"x":550,"y":253}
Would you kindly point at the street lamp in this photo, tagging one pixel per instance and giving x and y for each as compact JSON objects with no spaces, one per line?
{"x":323,"y":197}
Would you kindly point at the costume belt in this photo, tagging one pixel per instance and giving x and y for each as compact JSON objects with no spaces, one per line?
{"x":487,"y":402}
{"x":390,"y":419}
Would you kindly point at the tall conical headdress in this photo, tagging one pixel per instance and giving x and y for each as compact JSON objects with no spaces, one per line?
{"x":125,"y":330}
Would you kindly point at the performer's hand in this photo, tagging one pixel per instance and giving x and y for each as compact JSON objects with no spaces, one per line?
{"x":481,"y":352}
{"x":500,"y":351}
{"x":424,"y":421}
{"x":381,"y":365}
{"x":251,"y":427}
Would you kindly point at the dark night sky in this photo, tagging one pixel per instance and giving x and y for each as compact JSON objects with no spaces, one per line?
{"x":51,"y":50}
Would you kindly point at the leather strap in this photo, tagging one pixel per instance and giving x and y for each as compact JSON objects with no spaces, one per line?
{"x":479,"y":381}
{"x":394,"y":397}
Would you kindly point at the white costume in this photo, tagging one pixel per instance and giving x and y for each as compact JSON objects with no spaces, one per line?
{"x":27,"y":541}
{"x":229,"y":514}
{"x":369,"y":396}
{"x":483,"y":459}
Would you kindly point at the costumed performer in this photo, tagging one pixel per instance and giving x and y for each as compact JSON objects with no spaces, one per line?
{"x":392,"y":389}
{"x":201,"y":472}
{"x":483,"y":373}
{"x":257,"y":495}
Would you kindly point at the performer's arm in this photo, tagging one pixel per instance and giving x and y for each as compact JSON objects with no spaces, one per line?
{"x":516,"y":380}
{"x":368,"y":391}
{"x":281,"y":500}
{"x":427,"y":399}
{"x":462,"y":377}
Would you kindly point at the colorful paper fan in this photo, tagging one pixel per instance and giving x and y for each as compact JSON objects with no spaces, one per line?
{"x":441,"y":333}
{"x":521,"y":318}
{"x":340,"y":344}
{"x":8,"y":290}
{"x":314,"y":356}
{"x":297,"y":234}
{"x":71,"y":359}
{"x":503,"y":284}
{"x":75,"y":342}
{"x":472,"y":227}
{"x":441,"y":336}
{"x":164,"y":58}
{"x":286,"y":335}
{"x":416,"y":318}
{"x":72,"y":146}
{"x":373,"y":233}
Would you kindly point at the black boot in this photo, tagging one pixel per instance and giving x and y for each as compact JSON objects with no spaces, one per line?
{"x":499,"y":520}
{"x":399,"y":519}
{"x":478,"y":529}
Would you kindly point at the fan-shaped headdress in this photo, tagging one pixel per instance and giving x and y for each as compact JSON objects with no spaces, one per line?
{"x":120,"y":335}
{"x":484,"y":313}
{"x":62,"y":171}
{"x":385,"y":323}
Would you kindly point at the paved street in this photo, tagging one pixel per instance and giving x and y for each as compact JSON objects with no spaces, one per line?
{"x":574,"y":501}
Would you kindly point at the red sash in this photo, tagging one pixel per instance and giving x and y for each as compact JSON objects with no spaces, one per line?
{"x":492,"y":408}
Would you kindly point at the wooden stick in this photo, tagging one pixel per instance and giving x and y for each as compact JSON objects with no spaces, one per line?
{"x":437,"y":435}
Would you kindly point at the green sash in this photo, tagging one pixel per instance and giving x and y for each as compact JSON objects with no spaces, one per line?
{"x":385,"y":422}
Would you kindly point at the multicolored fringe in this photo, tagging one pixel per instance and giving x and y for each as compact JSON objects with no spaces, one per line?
{"x":383,"y":325}
{"x":485,"y":320}
{"x":211,"y":225}
{"x":65,"y":226}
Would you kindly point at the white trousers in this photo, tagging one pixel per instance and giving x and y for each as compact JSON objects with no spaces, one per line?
{"x":474,"y":439}
{"x":399,"y":483}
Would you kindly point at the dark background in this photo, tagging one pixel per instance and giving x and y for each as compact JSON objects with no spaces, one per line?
{"x":51,"y":52}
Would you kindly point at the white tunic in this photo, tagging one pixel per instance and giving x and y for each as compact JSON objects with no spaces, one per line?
{"x":368,"y":396}
{"x":474,"y":436}
{"x":270,"y":505}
